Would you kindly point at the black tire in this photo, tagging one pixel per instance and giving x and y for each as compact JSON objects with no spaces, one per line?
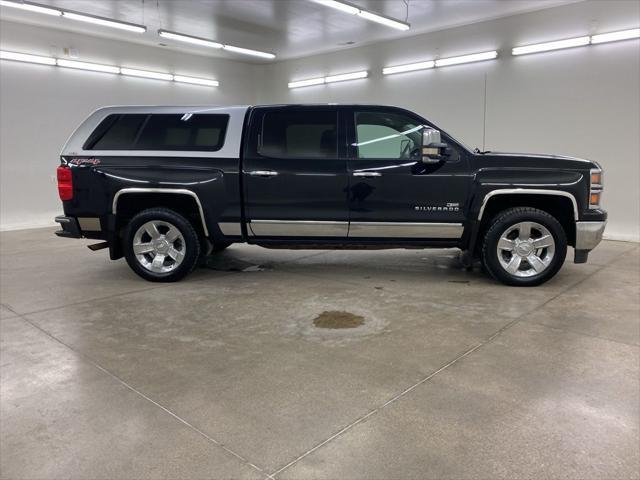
{"x":190,"y":247}
{"x":507,"y":219}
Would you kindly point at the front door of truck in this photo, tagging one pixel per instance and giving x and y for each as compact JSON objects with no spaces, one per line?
{"x":295,"y":174}
{"x":393,"y":194}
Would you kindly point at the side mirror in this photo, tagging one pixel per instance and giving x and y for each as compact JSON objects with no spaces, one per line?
{"x":433,"y":150}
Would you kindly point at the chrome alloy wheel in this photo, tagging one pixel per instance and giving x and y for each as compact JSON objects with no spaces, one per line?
{"x":159,"y":246}
{"x":526,"y":249}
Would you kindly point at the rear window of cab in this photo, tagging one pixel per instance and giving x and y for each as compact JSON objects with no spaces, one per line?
{"x":133,"y":131}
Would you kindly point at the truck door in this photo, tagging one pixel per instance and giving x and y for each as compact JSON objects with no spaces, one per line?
{"x":393,"y":195}
{"x":295,"y":174}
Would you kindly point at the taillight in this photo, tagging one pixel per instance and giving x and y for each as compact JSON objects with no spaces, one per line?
{"x":65,"y":183}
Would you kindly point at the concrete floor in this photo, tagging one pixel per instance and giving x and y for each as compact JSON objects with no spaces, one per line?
{"x":224,"y":375}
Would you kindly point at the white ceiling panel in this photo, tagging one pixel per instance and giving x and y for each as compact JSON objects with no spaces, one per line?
{"x":288,"y":28}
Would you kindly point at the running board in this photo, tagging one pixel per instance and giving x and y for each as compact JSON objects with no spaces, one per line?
{"x":98,"y":246}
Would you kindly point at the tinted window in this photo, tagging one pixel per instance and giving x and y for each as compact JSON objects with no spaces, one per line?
{"x":116,"y":132}
{"x":309,"y":134}
{"x":183,"y":132}
{"x":160,"y":132}
{"x":388,"y":135}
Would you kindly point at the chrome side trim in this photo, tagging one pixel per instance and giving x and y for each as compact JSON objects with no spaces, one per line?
{"x":589,"y":234}
{"x":405,"y":230}
{"x":176,"y":191}
{"x":529,"y":191}
{"x":90,"y":224}
{"x":298,"y":228}
{"x":230,"y":228}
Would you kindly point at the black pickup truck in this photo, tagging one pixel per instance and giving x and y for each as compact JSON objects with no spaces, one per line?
{"x":165,"y":186}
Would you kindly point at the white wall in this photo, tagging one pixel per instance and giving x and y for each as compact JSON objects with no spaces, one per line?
{"x":583,"y":102}
{"x":40,"y":106}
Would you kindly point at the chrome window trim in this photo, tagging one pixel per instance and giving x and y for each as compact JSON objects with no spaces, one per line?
{"x":529,"y":191}
{"x":177,"y":191}
{"x":405,"y":230}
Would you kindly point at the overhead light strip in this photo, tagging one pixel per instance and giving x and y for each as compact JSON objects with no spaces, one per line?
{"x":97,"y":67}
{"x":548,"y":46}
{"x":132,"y":72}
{"x":443,"y":62}
{"x":616,"y":36}
{"x":343,"y":77}
{"x":24,"y":57}
{"x":31,"y":7}
{"x":204,"y":42}
{"x":583,"y":41}
{"x":71,"y":15}
{"x":475,"y":57}
{"x":94,"y":67}
{"x":366,"y":14}
{"x":105,"y":22}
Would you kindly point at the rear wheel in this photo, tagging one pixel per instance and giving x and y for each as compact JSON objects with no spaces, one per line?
{"x":524,"y":247}
{"x":161,"y":245}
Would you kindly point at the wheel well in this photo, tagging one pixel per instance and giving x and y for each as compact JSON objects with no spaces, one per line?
{"x":555,"y":205}
{"x":129,"y":204}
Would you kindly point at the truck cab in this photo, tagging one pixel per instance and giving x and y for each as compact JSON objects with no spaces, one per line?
{"x":164,"y":186}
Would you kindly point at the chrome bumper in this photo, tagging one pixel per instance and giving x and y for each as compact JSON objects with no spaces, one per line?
{"x":589,"y":234}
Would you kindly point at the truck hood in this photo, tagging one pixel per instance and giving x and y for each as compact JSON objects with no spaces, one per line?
{"x":537,"y":160}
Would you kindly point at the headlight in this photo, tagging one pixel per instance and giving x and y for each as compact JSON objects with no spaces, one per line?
{"x":595,"y":188}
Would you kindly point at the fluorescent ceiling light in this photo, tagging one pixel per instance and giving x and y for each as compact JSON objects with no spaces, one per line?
{"x":94,"y":67}
{"x":411,"y":67}
{"x":475,"y":57}
{"x":146,"y":74}
{"x":331,"y":79}
{"x":615,"y":36}
{"x":307,"y":83}
{"x":247,"y":51}
{"x":346,"y":76}
{"x":196,"y":81}
{"x":212,"y":44}
{"x":547,"y":46}
{"x":23,"y":57}
{"x":389,"y":22}
{"x":105,"y":22}
{"x":189,"y":39}
{"x":343,"y":7}
{"x":366,"y":14}
{"x":31,"y":7}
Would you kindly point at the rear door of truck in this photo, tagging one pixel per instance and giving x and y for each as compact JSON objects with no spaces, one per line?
{"x":295,"y":174}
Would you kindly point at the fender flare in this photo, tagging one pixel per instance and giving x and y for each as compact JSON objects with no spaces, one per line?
{"x":529,"y":191}
{"x":176,"y":191}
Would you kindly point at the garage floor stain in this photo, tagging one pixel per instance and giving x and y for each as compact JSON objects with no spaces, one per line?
{"x":336,"y":319}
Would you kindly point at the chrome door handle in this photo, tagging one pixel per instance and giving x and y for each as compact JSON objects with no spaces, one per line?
{"x":367,"y":174}
{"x":263,"y":173}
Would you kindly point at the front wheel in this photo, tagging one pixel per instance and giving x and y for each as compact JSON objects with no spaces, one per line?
{"x":524,"y":247}
{"x":161,"y":245}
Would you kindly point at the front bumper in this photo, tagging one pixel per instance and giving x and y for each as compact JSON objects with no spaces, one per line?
{"x":589,"y":234}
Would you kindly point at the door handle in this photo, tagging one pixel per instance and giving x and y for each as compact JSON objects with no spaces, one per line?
{"x":263,"y":173}
{"x":367,"y":174}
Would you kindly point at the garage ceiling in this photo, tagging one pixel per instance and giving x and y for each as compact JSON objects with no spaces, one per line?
{"x":288,"y":28}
